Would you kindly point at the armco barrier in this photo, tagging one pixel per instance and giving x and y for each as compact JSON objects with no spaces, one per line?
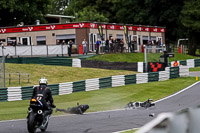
{"x":65,"y":88}
{"x":185,"y":121}
{"x":153,"y":76}
{"x":27,"y":92}
{"x":92,"y":84}
{"x":197,"y":62}
{"x":174,"y":72}
{"x":130,"y":79}
{"x":105,"y":82}
{"x":3,"y":94}
{"x":22,"y":93}
{"x":54,"y":89}
{"x":79,"y":86}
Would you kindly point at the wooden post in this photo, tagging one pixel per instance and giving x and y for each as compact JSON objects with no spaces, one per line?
{"x":19,"y":78}
{"x":9,"y":79}
{"x":28,"y":77}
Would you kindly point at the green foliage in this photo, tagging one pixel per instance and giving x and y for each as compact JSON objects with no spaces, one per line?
{"x":58,"y":6}
{"x":26,"y":11}
{"x":89,"y":10}
{"x":190,"y":18}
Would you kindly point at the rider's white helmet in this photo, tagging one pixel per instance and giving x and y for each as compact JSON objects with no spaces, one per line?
{"x":43,"y":80}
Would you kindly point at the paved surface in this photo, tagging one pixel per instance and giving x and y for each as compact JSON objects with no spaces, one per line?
{"x":108,"y":122}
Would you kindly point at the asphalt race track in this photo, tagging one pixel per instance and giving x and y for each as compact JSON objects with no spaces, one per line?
{"x":111,"y":121}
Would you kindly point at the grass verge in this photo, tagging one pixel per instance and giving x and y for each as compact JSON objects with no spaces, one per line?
{"x":194,"y":69}
{"x":103,"y":99}
{"x":138,"y":57}
{"x":57,"y":74}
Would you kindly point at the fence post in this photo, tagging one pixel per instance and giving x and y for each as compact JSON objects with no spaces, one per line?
{"x":19,"y":78}
{"x":31,"y":50}
{"x":15,"y":50}
{"x":9,"y":79}
{"x":28,"y":77}
{"x":47,"y":50}
{"x":62,"y":48}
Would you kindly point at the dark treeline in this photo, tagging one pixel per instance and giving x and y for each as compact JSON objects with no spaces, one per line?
{"x":180,"y":17}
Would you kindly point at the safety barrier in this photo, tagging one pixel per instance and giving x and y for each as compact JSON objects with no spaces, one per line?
{"x":22,"y":93}
{"x":185,"y":121}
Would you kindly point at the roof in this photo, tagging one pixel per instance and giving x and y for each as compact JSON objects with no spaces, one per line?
{"x":59,"y":16}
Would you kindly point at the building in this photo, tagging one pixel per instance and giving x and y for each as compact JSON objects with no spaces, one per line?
{"x":50,"y":34}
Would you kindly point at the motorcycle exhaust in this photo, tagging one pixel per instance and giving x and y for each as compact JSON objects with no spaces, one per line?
{"x":40,"y":112}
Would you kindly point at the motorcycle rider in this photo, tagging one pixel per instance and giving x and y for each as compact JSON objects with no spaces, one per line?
{"x":43,"y":94}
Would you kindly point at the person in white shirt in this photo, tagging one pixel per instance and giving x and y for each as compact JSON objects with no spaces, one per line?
{"x":84,"y":47}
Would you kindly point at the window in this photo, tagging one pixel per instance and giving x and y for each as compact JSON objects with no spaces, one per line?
{"x":3,"y":40}
{"x":11,"y":41}
{"x":66,"y":38}
{"x":41,"y":40}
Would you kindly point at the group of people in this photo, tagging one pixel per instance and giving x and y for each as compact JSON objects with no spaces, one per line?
{"x":69,"y":45}
{"x":113,"y":45}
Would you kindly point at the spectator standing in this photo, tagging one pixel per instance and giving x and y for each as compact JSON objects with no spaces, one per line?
{"x":175,"y":63}
{"x":84,"y":43}
{"x":58,"y":42}
{"x":98,"y":43}
{"x":63,"y":42}
{"x":122,"y":45}
{"x":107,"y":45}
{"x":111,"y":45}
{"x":1,"y":44}
{"x":115,"y":45}
{"x":70,"y":47}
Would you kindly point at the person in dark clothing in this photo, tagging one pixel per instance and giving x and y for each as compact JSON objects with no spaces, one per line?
{"x":80,"y":109}
{"x":70,"y":48}
{"x":107,"y":46}
{"x":43,"y":94}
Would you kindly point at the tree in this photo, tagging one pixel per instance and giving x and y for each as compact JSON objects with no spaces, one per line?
{"x":12,"y":12}
{"x":190,"y":18}
{"x":58,"y":6}
{"x":150,"y":12}
{"x":89,"y":10}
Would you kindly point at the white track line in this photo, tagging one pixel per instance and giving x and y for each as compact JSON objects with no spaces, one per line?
{"x":119,"y":109}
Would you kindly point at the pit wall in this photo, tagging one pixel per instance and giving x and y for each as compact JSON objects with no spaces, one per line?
{"x":23,"y":93}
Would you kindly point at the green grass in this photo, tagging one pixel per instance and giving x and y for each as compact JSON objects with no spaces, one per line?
{"x":57,"y":74}
{"x":138,"y":57}
{"x":130,"y":131}
{"x":194,"y":69}
{"x":103,"y":99}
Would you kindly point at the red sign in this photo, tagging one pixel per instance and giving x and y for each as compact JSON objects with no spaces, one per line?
{"x":77,"y":25}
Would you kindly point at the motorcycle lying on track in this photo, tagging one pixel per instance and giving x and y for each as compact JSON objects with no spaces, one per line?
{"x":148,"y":103}
{"x":37,"y":117}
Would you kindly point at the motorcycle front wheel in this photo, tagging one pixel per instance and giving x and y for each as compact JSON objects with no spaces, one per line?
{"x":31,"y":124}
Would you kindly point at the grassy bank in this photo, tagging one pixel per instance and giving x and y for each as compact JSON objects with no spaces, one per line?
{"x":195,"y":69}
{"x":56,"y":74}
{"x":138,"y":57}
{"x":103,"y":99}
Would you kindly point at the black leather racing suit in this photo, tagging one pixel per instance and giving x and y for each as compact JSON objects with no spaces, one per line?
{"x":43,"y":93}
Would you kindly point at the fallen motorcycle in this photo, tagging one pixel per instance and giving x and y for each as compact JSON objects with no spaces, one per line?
{"x":36,"y":116}
{"x":133,"y":105}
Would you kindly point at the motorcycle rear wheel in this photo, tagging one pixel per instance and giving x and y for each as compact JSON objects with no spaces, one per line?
{"x":31,"y":125}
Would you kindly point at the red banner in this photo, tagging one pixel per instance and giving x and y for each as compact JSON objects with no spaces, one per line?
{"x":77,"y":25}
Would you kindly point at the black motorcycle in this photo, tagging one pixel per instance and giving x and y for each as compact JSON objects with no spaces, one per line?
{"x":37,"y":117}
{"x":148,"y":103}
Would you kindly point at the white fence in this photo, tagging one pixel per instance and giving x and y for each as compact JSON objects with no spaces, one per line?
{"x":34,"y":50}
